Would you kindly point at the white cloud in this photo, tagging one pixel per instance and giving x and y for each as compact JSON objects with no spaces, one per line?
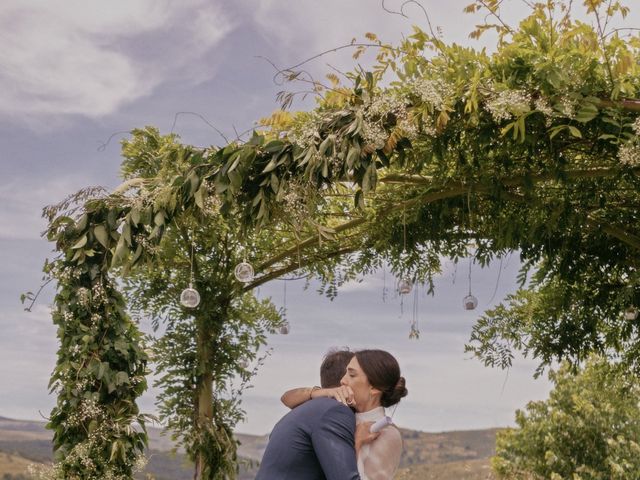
{"x":22,"y":201}
{"x":90,"y":58}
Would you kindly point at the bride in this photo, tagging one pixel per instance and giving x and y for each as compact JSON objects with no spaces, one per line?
{"x":371,"y":383}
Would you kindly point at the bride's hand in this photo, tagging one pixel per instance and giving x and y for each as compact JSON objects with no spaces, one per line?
{"x":343,"y":394}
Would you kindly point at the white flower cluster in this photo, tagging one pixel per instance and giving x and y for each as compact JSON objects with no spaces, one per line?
{"x":85,"y":455}
{"x":89,"y":410}
{"x":81,"y":454}
{"x":508,"y":103}
{"x":95,"y":319}
{"x":146,"y":243}
{"x":305,"y":133}
{"x":374,"y":134}
{"x":212,"y":203}
{"x":99,"y":295}
{"x":379,"y":108}
{"x":295,"y":203}
{"x":83,"y":296}
{"x":542,"y":105}
{"x":567,"y":106}
{"x":140,"y":463}
{"x":66,"y":274}
{"x":433,"y":92}
{"x":636,"y":126}
{"x":629,"y":154}
{"x":382,"y":105}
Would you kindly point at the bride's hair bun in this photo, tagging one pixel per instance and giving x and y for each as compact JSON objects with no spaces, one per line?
{"x":392,"y":397}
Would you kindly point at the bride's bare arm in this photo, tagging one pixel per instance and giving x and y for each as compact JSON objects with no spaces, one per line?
{"x":297,"y":396}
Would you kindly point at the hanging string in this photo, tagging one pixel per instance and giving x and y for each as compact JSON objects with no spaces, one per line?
{"x":470,"y":259}
{"x":284,"y":301}
{"x":191,"y":275}
{"x":414,"y":330}
{"x":385,"y":291}
{"x":404,"y":230}
{"x":495,"y":290}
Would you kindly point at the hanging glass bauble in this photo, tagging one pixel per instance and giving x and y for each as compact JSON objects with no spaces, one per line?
{"x":243,"y":363}
{"x":284,"y":328}
{"x":404,"y":286}
{"x":469,"y":302}
{"x":244,"y":272}
{"x":190,"y":298}
{"x":631,"y":313}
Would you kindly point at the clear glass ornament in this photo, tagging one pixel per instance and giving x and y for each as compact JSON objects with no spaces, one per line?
{"x":190,"y":298}
{"x":405,"y":286}
{"x":284,"y":328}
{"x":244,"y":272}
{"x":243,"y":363}
{"x":631,"y":313}
{"x":469,"y":302}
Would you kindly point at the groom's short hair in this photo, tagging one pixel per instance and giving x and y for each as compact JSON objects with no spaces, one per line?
{"x":334,"y":366}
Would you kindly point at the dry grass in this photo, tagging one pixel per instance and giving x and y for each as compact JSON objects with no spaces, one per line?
{"x":13,"y":465}
{"x":462,"y":470}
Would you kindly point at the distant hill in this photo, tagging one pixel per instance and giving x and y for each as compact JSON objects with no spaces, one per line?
{"x":459,"y":455}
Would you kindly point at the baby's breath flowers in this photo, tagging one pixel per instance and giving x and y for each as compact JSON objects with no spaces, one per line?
{"x":506,"y":104}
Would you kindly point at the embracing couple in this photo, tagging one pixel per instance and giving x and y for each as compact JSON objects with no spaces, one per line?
{"x":327,"y":434}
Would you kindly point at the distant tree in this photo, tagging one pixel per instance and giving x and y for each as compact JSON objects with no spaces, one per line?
{"x":589,"y":428}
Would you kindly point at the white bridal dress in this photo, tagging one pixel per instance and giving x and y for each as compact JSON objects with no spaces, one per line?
{"x":379,"y":459}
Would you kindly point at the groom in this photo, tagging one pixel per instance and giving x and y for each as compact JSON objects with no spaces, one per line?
{"x":315,"y":441}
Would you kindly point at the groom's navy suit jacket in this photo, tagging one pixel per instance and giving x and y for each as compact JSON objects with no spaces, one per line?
{"x":314,"y":441}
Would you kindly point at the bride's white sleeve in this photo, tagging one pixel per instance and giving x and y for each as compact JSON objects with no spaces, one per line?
{"x":383,"y":457}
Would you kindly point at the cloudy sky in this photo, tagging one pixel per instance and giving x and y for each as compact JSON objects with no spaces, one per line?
{"x":75,"y":74}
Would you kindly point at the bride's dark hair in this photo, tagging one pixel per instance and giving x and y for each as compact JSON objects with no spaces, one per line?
{"x":383,"y":372}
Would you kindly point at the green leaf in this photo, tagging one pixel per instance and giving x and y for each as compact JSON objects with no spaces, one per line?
{"x":121,"y":378}
{"x":199,"y":198}
{"x":326,"y":144}
{"x":80,"y":243}
{"x":274,"y":146}
{"x":82,"y":223}
{"x":158,"y":219}
{"x":126,"y":233}
{"x":135,"y":216}
{"x":275,"y":183}
{"x":353,"y":156}
{"x":507,"y":128}
{"x":102,"y":368}
{"x":587,"y":113}
{"x":575,"y":132}
{"x":273,"y":163}
{"x":120,"y":253}
{"x":236,"y":161}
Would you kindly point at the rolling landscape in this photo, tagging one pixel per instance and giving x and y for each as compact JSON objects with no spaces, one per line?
{"x":459,"y":455}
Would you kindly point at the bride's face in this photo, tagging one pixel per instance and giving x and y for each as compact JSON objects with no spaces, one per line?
{"x":365,"y":395}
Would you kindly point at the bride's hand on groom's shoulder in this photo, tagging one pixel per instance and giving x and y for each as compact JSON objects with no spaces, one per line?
{"x":343,"y":394}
